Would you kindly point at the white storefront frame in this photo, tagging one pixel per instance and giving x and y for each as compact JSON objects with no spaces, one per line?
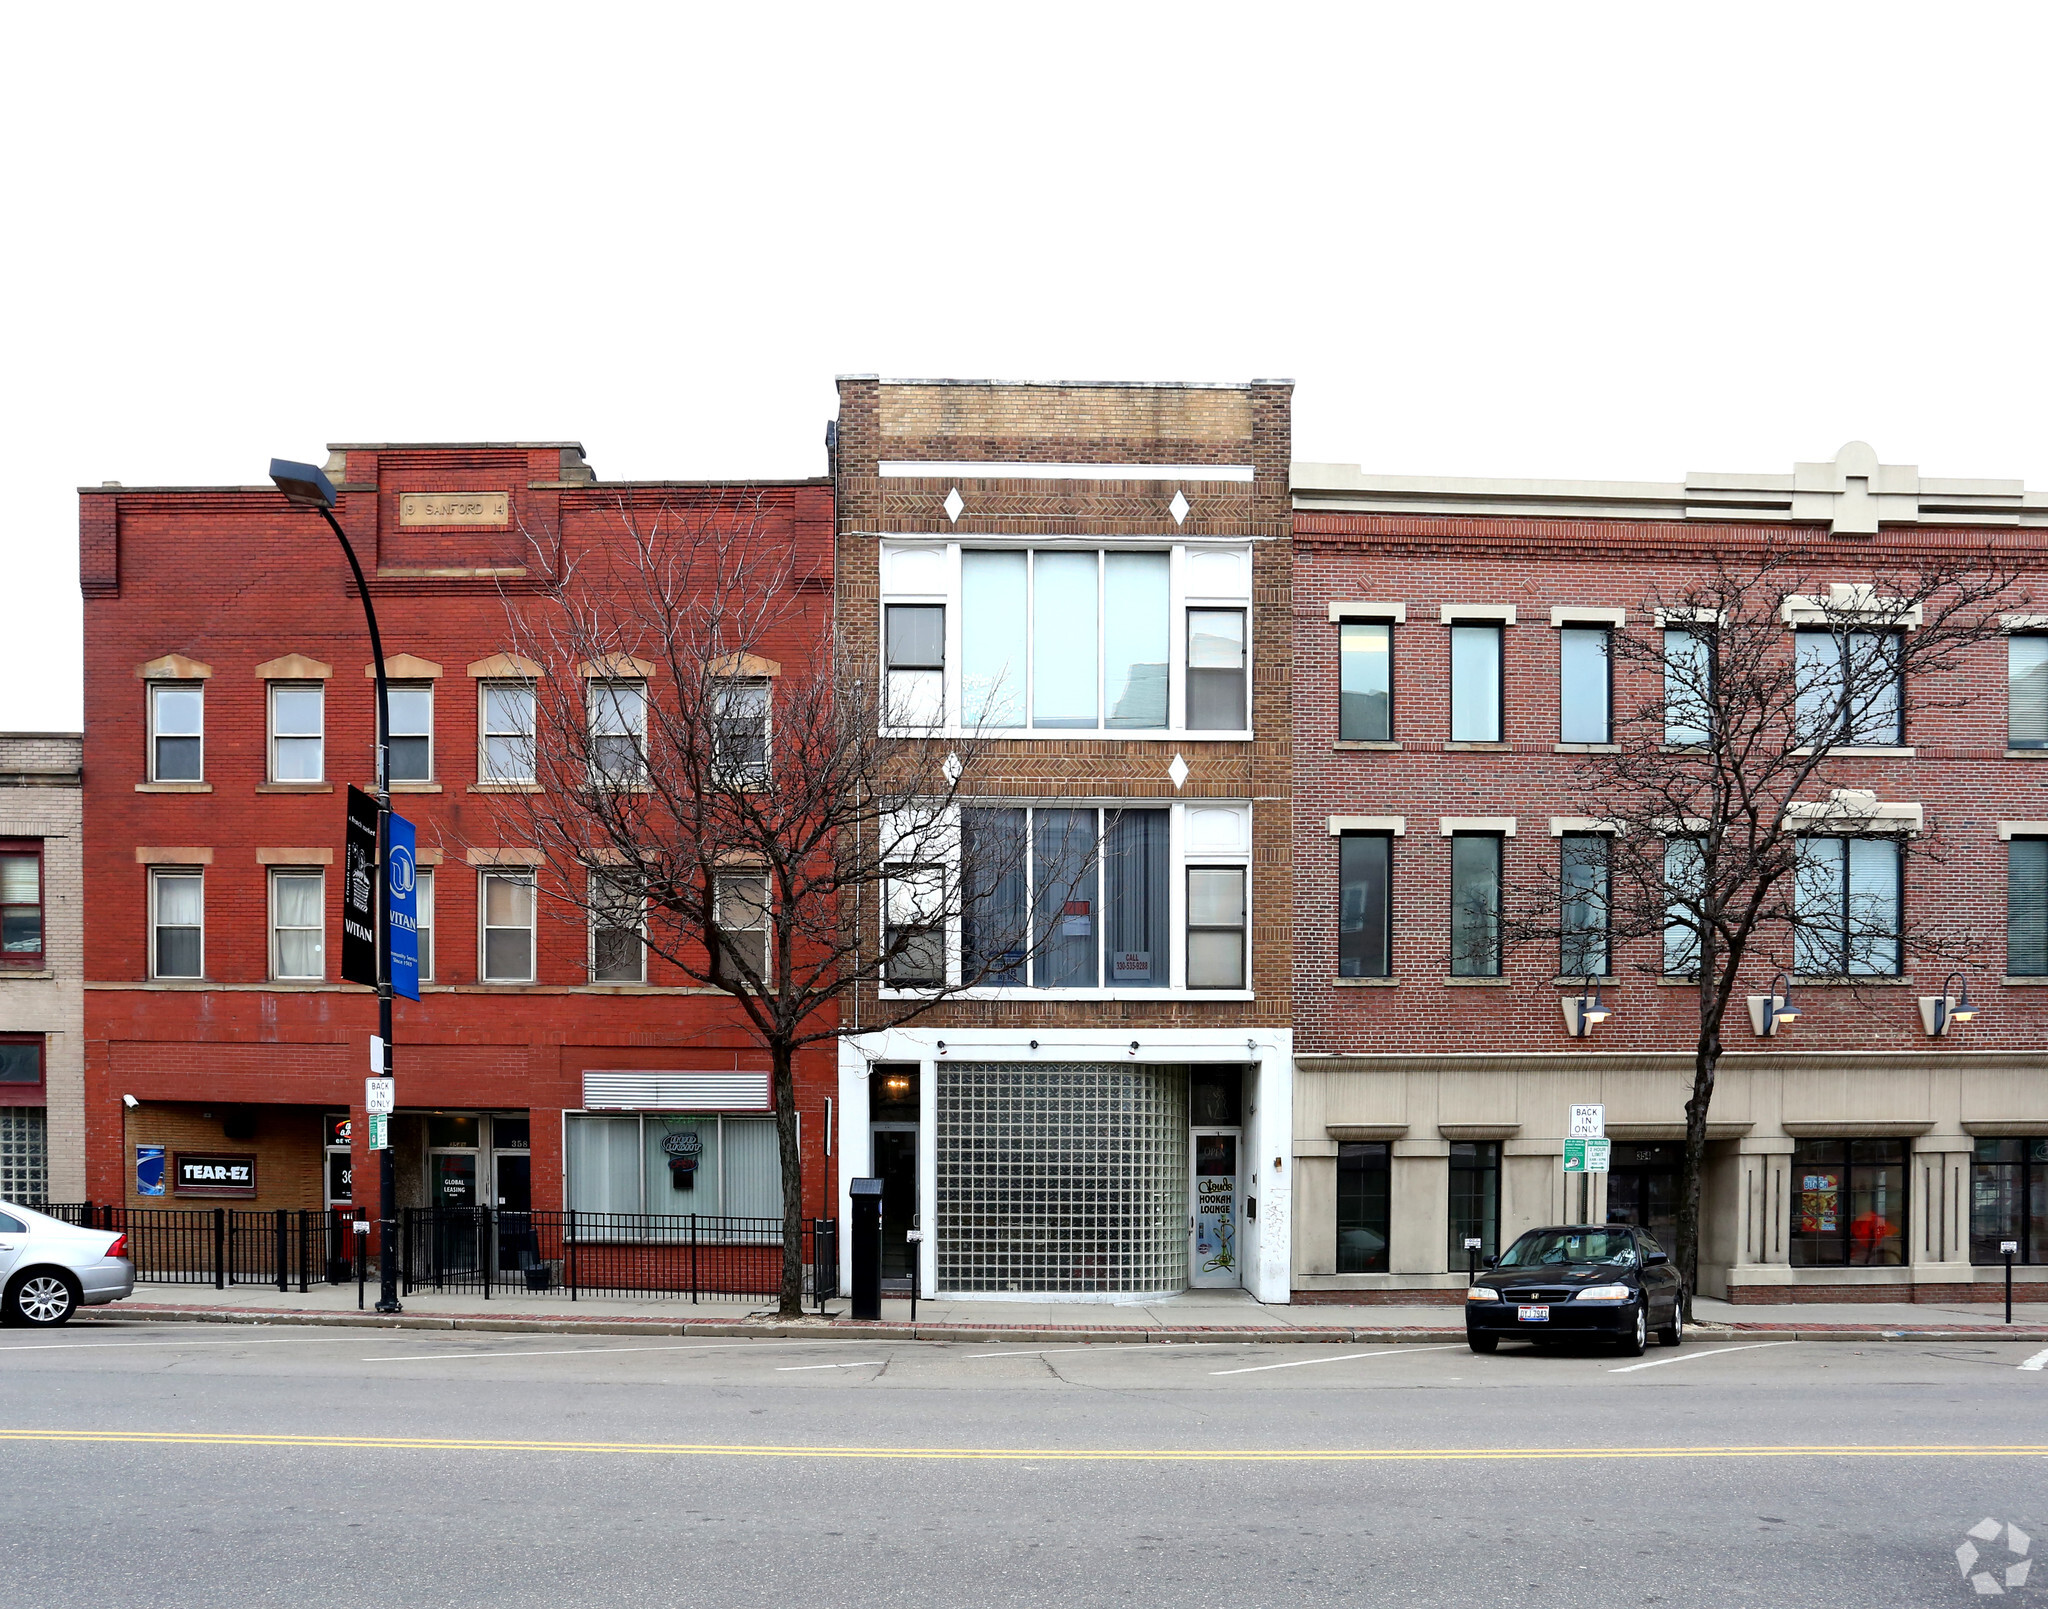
{"x":1266,"y":1054}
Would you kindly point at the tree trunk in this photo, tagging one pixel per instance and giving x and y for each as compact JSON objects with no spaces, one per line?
{"x":1706,"y":1059}
{"x":792,"y":1303}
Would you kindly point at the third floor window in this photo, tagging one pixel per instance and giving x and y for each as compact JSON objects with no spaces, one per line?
{"x":177,"y":728}
{"x":2026,"y":669}
{"x":298,"y":725}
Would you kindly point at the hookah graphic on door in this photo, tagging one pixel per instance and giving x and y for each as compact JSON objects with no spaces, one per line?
{"x":1215,"y":1203}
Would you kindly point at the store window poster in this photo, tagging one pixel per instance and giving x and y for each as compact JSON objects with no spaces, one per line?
{"x":1820,"y":1199}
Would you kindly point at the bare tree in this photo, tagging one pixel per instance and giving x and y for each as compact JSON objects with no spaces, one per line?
{"x":720,"y":781}
{"x":1724,"y":841}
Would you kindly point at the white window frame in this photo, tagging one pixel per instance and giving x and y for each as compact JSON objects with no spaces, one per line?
{"x":485,"y":776}
{"x":723,"y":688}
{"x":484,"y":928}
{"x":423,"y":918}
{"x":598,"y":881}
{"x":1186,"y":591}
{"x":414,"y":686}
{"x":270,"y":692}
{"x":1244,"y":927}
{"x":1181,"y":858}
{"x":757,"y":874}
{"x":603,"y":689}
{"x":157,"y":875}
{"x":193,"y":686}
{"x":277,"y":974}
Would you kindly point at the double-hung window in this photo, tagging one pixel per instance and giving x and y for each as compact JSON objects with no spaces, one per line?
{"x":1475,"y":905}
{"x":508,"y":912}
{"x":1846,"y":898}
{"x":298,"y":921}
{"x":740,"y":738}
{"x":618,"y":927}
{"x":21,"y":904}
{"x":1476,"y":683}
{"x":177,"y":731}
{"x":1584,"y":701}
{"x":1688,"y":686}
{"x":1365,"y":681}
{"x":1849,"y":687}
{"x":740,"y":914}
{"x":915,"y":646}
{"x":2026,"y":908}
{"x":618,"y":733}
{"x":1217,"y":691}
{"x":177,"y":915}
{"x":298,"y":727}
{"x":412,"y":731}
{"x":914,"y":926}
{"x":423,"y":920}
{"x":1582,"y":869}
{"x":1364,"y":925}
{"x":1684,"y":894}
{"x":1217,"y":927}
{"x":2026,"y":692}
{"x":507,"y":731}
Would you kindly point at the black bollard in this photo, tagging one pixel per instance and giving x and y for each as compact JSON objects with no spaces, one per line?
{"x":867,"y":1247}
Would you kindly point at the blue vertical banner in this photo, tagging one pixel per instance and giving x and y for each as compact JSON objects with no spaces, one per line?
{"x":403,"y":872}
{"x":149,"y":1170}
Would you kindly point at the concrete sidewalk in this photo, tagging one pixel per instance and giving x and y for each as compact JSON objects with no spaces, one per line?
{"x":1194,"y":1315}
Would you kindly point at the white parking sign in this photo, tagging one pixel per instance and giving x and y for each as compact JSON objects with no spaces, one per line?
{"x":380,"y":1097}
{"x":1588,"y":1123}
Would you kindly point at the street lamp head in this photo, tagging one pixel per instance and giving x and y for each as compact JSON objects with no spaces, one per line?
{"x":1962,"y":1010}
{"x":1781,"y":1000}
{"x":303,"y":484}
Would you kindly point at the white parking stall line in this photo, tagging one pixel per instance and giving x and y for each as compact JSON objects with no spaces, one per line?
{"x":553,"y":1352}
{"x":2037,"y":1362}
{"x":1343,"y":1357}
{"x":80,"y":1346}
{"x":1041,"y":1352}
{"x":798,"y":1368}
{"x":1687,"y":1357}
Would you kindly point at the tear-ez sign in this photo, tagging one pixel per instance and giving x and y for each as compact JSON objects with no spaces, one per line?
{"x":210,"y":1173}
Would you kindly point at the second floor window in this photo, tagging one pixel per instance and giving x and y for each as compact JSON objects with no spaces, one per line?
{"x":1475,"y":684}
{"x":1583,"y":703}
{"x":1217,"y":927}
{"x":1475,"y":905}
{"x":508,"y":732}
{"x":618,"y":732}
{"x":297,"y":731}
{"x":1849,"y":687}
{"x":21,"y":905}
{"x":1364,"y":949}
{"x":2026,"y":908}
{"x":1582,"y":865}
{"x":1684,"y":888}
{"x":423,"y":918}
{"x":178,"y":924}
{"x":298,"y":919}
{"x":1846,"y":897}
{"x":740,"y":733}
{"x":2026,"y":692}
{"x":1688,"y":687}
{"x":618,"y":917}
{"x":412,"y":732}
{"x":742,"y":917}
{"x":915,"y":647}
{"x":177,"y":728}
{"x":1365,"y":682}
{"x":508,"y":909}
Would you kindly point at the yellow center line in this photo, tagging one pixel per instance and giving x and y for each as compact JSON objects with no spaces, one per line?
{"x":1168,"y":1455}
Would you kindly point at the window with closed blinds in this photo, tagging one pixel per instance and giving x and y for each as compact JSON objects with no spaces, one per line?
{"x":2026,"y":692}
{"x":2026,"y":908}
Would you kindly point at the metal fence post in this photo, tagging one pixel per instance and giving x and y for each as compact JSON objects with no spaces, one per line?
{"x":284,"y":1273}
{"x":693,"y":1259}
{"x":569,"y":1254}
{"x":220,"y":1249}
{"x":487,"y":1245}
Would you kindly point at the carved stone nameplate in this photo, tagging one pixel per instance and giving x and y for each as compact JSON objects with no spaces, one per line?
{"x":454,"y":508}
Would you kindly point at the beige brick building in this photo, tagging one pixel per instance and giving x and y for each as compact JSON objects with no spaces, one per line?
{"x":42,"y":993}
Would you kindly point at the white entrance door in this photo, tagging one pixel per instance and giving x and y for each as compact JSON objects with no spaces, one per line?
{"x":1212,"y":1215}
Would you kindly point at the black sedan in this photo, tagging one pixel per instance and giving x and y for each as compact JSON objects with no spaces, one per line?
{"x":1578,"y":1282}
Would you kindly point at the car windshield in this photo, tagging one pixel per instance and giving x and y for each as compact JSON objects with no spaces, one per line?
{"x":1549,"y":1247}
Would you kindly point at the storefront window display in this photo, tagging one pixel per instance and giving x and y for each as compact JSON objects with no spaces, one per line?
{"x":2009,"y":1199}
{"x":1848,"y":1203}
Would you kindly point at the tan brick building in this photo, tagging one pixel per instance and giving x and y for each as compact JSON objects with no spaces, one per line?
{"x":42,"y":991}
{"x":1094,"y":580}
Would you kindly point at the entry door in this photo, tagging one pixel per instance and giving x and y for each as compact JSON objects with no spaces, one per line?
{"x":340,"y":1178}
{"x":451,"y":1184}
{"x":1212,"y":1218}
{"x":515,"y":1181}
{"x":895,"y":1157}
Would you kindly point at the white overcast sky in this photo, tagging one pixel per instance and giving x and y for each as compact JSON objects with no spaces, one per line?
{"x":1533,"y":239}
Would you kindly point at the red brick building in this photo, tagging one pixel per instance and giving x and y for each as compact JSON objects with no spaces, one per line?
{"x":1431,"y":1104}
{"x":229,"y":703}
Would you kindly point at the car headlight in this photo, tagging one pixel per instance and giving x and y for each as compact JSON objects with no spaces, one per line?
{"x":1481,"y":1293}
{"x":1605,"y":1293}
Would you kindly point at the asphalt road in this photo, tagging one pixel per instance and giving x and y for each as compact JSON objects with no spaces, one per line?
{"x":224,"y":1466}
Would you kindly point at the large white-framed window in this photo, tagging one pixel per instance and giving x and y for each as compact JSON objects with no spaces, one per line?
{"x":1084,"y":637}
{"x":177,"y":922}
{"x":618,"y":929}
{"x":1101,"y":900}
{"x":506,"y":729}
{"x":1847,"y":899}
{"x":618,"y":733}
{"x":740,"y":733}
{"x":670,"y":1164}
{"x":298,"y":924}
{"x":423,"y":918}
{"x":505,"y":941}
{"x":298,"y":731}
{"x":177,"y":731}
{"x":741,"y":910}
{"x":412,"y":731}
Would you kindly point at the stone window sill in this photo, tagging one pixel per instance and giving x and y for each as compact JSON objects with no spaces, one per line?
{"x":2026,"y":754}
{"x":1390,"y":983}
{"x":2025,"y":983}
{"x":411,"y":787}
{"x":23,"y":975}
{"x":174,"y":787}
{"x":1586,"y":748}
{"x":294,"y":787}
{"x":1866,"y":751}
{"x":505,"y":787}
{"x":1604,"y":980}
{"x":1478,"y":748}
{"x":1477,"y":983}
{"x":1380,"y":746}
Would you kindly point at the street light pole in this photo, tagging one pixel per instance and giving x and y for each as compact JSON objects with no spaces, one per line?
{"x":308,"y":487}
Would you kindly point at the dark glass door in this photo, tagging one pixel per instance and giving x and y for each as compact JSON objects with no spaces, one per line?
{"x":1642,"y":1189}
{"x":896,"y":1167}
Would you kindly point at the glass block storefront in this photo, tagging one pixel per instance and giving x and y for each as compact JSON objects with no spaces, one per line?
{"x":24,"y":1157}
{"x":1063,"y":1178}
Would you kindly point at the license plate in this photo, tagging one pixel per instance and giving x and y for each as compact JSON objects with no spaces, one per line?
{"x":1533,"y":1315}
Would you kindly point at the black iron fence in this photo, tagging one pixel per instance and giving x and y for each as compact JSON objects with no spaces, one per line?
{"x":474,"y":1250}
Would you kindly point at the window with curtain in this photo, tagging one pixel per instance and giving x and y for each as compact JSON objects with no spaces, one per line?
{"x":618,"y":926}
{"x":740,"y":735}
{"x":669,"y":1165}
{"x":1684,"y":873}
{"x":21,"y":906}
{"x":1849,"y":687}
{"x":297,"y":731}
{"x":412,"y":731}
{"x":1065,"y":941}
{"x":1475,"y":905}
{"x":1582,"y":868}
{"x":1846,"y":901}
{"x":742,"y":912}
{"x":508,"y":732}
{"x":1216,"y":927}
{"x":1475,"y":684}
{"x":1583,"y":685}
{"x":1217,"y":690}
{"x":298,"y":911}
{"x":914,"y":646}
{"x":1365,"y":681}
{"x":508,"y":910}
{"x":1138,"y":949}
{"x":179,"y":950}
{"x":2026,"y":692}
{"x":1364,"y":1202}
{"x":177,"y":724}
{"x":423,"y":920}
{"x":2026,"y":908}
{"x":618,"y":732}
{"x":914,"y":929}
{"x":995,"y":925}
{"x":1364,"y":933}
{"x":1688,"y":686}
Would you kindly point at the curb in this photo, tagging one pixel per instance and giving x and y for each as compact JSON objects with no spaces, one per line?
{"x":849,"y":1330}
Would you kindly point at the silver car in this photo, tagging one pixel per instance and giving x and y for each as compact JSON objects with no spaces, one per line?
{"x":49,"y":1269}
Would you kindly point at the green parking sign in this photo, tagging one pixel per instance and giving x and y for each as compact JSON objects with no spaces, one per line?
{"x":1587,"y":1156}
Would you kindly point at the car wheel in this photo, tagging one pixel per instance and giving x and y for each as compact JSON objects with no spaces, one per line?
{"x":1482,"y":1343}
{"x":1674,"y":1332}
{"x":41,"y":1297}
{"x":1638,"y":1335}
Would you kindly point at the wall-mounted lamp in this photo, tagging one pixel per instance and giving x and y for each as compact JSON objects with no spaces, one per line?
{"x":1937,"y":1012}
{"x":1769,"y":1012}
{"x":1584,"y":1011}
{"x":942,"y":1047}
{"x":130,"y":1102}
